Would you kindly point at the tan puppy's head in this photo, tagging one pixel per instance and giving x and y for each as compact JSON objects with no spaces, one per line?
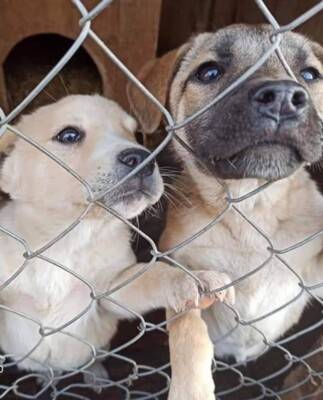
{"x":95,"y":138}
{"x":266,"y":128}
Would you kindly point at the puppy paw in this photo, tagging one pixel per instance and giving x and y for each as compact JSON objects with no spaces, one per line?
{"x":96,"y":376}
{"x":186,"y":292}
{"x":211,"y":281}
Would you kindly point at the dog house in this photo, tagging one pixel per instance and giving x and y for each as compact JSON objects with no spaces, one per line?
{"x":35,"y":35}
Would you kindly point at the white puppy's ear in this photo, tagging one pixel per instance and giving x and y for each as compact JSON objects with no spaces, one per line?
{"x":318,"y":52}
{"x":129,"y":123}
{"x":7,"y":141}
{"x":157,"y":76}
{"x":7,"y":169}
{"x":8,"y":175}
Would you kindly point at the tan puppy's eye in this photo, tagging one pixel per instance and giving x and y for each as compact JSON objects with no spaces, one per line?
{"x":310,"y":74}
{"x":208,"y":72}
{"x":69,"y":135}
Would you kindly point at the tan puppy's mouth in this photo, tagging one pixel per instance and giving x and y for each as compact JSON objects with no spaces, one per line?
{"x":263,"y":147}
{"x":265,"y":160}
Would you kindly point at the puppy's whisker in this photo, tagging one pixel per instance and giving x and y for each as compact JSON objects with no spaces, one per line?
{"x":158,"y":208}
{"x":177,"y":186}
{"x":135,"y":233}
{"x":167,"y":169}
{"x":176,"y":193}
{"x":177,"y":181}
{"x":154,"y":210}
{"x":317,"y":166}
{"x":169,"y":175}
{"x":172,"y":199}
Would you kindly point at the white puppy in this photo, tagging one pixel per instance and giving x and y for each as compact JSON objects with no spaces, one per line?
{"x":94,"y":137}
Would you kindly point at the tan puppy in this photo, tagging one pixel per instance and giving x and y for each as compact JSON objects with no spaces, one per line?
{"x":95,"y":138}
{"x":266,"y":130}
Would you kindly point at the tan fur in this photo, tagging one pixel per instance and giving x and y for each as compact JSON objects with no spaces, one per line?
{"x":287,"y":212}
{"x":147,"y":113}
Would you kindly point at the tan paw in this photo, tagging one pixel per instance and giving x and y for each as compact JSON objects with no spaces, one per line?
{"x":185,"y":292}
{"x":213,"y":280}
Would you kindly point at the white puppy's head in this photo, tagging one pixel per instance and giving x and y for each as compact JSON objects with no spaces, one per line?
{"x":95,"y":138}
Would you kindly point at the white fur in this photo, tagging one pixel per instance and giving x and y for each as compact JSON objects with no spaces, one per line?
{"x":45,"y":201}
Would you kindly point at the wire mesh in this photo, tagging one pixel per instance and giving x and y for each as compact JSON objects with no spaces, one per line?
{"x":58,"y":385}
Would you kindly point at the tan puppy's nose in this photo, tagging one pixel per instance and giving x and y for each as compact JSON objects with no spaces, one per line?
{"x":280,"y":100}
{"x":133,"y":157}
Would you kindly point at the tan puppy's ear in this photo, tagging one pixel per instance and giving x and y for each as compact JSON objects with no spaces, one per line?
{"x":318,"y":93}
{"x":157,"y":76}
{"x":318,"y":51}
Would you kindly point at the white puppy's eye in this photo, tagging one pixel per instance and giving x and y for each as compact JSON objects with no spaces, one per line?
{"x":310,"y":74}
{"x":69,"y":135}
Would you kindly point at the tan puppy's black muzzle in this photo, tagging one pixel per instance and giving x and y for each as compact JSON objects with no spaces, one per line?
{"x":266,"y":128}
{"x":280,"y":100}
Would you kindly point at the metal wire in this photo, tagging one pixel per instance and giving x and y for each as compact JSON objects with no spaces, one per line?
{"x":57,"y":384}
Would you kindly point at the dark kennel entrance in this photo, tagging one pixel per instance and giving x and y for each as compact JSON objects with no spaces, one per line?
{"x":32,"y":58}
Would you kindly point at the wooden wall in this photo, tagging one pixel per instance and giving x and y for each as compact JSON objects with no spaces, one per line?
{"x":182,"y":18}
{"x":136,"y":30}
{"x":129,"y":27}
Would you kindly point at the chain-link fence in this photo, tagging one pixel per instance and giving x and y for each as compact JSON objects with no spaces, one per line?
{"x":60,"y":386}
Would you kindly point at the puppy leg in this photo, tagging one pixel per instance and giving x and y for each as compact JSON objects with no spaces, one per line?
{"x":164,"y":286}
{"x":96,"y":376}
{"x":190,"y":346}
{"x":191,"y":350}
{"x":191,"y":354}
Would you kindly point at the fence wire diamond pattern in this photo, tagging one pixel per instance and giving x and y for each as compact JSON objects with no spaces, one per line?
{"x":53,"y":382}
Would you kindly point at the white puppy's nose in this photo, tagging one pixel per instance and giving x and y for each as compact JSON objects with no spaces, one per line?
{"x":133,"y":157}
